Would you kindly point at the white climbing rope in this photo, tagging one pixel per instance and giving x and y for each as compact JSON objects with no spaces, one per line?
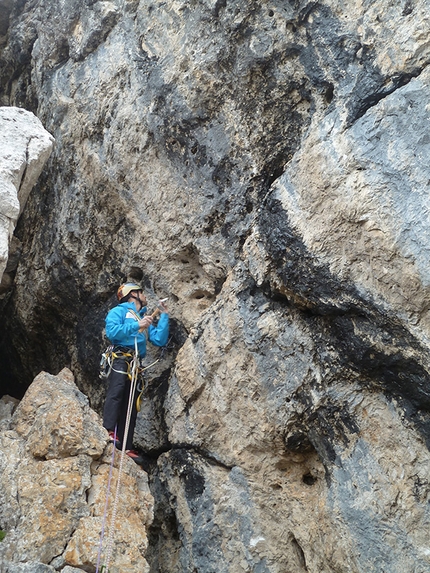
{"x":134,"y":376}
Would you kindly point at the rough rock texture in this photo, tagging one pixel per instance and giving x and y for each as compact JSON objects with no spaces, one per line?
{"x":24,"y":149}
{"x":264,"y":164}
{"x":317,"y":475}
{"x":54,"y":473}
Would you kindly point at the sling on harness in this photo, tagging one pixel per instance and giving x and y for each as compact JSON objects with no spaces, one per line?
{"x":108,"y":356}
{"x":106,"y":366}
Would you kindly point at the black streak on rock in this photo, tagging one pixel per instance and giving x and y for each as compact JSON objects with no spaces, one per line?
{"x":364,"y":341}
{"x":182,"y":464}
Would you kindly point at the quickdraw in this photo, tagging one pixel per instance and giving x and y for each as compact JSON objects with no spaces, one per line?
{"x":105,"y":363}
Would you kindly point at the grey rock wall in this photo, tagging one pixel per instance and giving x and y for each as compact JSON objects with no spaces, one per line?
{"x":264,"y":165}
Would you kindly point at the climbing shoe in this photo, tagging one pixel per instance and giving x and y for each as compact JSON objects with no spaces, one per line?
{"x":114,"y":440}
{"x":135,"y":456}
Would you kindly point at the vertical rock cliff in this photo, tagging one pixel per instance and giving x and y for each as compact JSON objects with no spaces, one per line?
{"x":264,"y":165}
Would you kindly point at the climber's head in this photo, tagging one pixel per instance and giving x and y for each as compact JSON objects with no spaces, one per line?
{"x":130,"y":291}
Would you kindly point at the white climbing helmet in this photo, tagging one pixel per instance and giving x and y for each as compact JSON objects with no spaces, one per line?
{"x":126,"y":289}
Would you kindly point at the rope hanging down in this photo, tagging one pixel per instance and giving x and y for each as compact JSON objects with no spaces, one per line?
{"x":134,"y":375}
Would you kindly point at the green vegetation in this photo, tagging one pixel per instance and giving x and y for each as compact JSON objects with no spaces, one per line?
{"x":2,"y":535}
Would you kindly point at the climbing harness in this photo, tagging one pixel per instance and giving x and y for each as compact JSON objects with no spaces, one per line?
{"x":108,"y":356}
{"x":107,"y":366}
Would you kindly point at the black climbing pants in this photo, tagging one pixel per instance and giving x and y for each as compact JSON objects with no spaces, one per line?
{"x":116,"y":404}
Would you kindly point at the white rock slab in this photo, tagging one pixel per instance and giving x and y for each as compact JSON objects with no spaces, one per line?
{"x":25,"y":146}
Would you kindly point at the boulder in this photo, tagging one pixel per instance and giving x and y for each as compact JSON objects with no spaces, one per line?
{"x":55,"y":468}
{"x":24,"y":149}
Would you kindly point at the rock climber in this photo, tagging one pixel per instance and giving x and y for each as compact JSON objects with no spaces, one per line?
{"x":127,"y":324}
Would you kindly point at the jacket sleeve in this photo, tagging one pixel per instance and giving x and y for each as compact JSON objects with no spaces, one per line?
{"x":118,"y":330}
{"x":159,"y":334}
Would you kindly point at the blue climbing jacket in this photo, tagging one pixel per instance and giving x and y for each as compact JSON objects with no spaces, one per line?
{"x":122,"y":328}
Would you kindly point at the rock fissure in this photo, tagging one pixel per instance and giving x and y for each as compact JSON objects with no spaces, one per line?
{"x":300,"y":553}
{"x":208,"y":456}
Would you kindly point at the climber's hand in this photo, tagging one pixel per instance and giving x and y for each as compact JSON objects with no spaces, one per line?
{"x":145,"y":322}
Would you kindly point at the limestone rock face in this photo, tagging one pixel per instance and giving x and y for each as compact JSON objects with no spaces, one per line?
{"x":55,"y":468}
{"x":24,"y":149}
{"x":264,"y":166}
{"x":309,"y":476}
